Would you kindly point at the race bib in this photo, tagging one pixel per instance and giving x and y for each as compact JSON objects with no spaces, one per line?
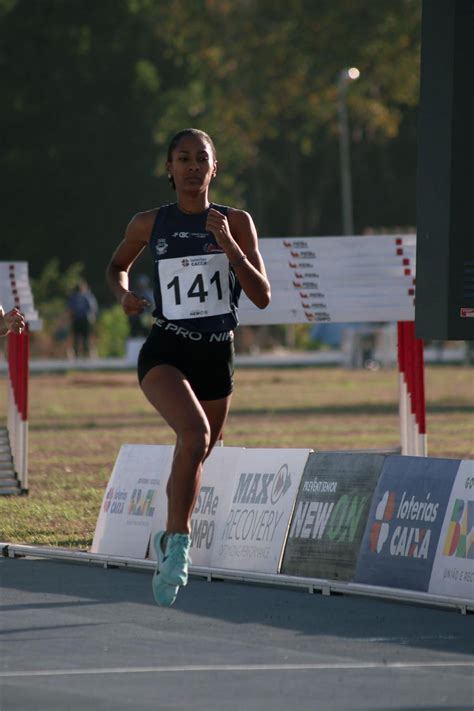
{"x":194,"y":287}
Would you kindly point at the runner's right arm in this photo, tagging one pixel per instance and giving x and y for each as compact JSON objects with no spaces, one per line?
{"x":137,"y":236}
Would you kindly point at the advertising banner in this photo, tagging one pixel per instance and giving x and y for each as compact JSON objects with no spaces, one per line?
{"x":453,"y":568}
{"x":322,"y":279}
{"x":260,"y":508}
{"x":212,"y":505}
{"x":330,"y":514}
{"x":135,"y":498}
{"x":404,"y":523}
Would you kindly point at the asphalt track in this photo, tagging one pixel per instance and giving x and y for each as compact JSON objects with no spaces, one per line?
{"x":80,"y":637}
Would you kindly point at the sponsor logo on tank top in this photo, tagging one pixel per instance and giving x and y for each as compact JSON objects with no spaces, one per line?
{"x":161,"y":246}
{"x":188,"y":235}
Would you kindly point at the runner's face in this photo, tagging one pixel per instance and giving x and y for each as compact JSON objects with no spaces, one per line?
{"x":192,"y":165}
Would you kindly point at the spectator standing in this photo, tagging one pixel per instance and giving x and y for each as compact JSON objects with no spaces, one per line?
{"x":82,"y":306}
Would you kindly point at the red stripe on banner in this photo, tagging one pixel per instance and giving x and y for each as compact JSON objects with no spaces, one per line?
{"x":21,"y":382}
{"x":401,"y":347}
{"x":410,"y":361}
{"x":420,"y":385}
{"x":26,"y":360}
{"x":11,"y":362}
{"x":398,"y":240}
{"x":399,"y":251}
{"x":18,"y":359}
{"x":22,"y":374}
{"x":407,"y":272}
{"x":405,"y":262}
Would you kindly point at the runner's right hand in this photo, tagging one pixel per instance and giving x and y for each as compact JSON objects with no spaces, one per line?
{"x":133,"y":304}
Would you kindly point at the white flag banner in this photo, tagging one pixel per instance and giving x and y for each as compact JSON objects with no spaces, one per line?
{"x":135,"y":498}
{"x":324,"y":279}
{"x":255,"y":528}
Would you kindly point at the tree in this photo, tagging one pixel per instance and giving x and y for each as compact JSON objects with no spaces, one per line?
{"x":93,"y":92}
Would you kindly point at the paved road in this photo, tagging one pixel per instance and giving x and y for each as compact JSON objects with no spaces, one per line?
{"x":78,"y":637}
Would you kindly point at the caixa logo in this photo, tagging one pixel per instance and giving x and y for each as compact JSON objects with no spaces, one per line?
{"x":404,"y":530}
{"x":115,"y":500}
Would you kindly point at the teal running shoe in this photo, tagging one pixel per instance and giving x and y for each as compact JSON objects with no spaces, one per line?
{"x":164,"y":594}
{"x":157,"y":540}
{"x":173,"y":563}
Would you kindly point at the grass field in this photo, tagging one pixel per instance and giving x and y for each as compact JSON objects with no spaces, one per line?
{"x":78,"y":421}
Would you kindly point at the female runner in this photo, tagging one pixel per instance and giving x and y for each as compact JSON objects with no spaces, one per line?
{"x":204,"y":255}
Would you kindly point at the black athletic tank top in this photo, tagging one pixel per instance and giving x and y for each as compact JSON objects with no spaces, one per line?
{"x":193,"y":282}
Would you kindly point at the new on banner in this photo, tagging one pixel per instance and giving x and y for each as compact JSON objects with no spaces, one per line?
{"x":330,"y":514}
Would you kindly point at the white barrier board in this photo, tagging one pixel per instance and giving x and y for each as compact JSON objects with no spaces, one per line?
{"x":261,"y":503}
{"x":453,"y":566}
{"x":212,"y":505}
{"x":323,"y":279}
{"x":256,"y":317}
{"x":134,"y":498}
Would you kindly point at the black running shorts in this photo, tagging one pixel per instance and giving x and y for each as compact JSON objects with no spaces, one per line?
{"x":207,"y":363}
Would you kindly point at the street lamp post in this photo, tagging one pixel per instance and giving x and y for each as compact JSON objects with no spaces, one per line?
{"x":345,"y":77}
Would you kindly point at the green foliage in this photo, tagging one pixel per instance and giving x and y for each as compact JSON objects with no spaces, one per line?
{"x":87,"y":131}
{"x":6,"y":6}
{"x":303,"y":339}
{"x":112,"y":331}
{"x":54,"y":282}
{"x":52,"y":288}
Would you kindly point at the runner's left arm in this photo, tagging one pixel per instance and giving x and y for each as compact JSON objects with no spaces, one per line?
{"x":237,"y":236}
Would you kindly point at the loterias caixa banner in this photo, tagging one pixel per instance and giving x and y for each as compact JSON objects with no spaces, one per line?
{"x":405,"y":521}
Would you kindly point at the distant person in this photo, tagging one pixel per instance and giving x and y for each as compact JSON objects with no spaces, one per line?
{"x":141,"y":323}
{"x":12,"y":321}
{"x":204,"y":255}
{"x":82,"y":306}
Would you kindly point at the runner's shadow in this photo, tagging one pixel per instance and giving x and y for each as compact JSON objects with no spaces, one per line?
{"x":374,"y":621}
{"x":269,"y":610}
{"x":71,"y":584}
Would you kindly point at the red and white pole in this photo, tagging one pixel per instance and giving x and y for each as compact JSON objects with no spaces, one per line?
{"x":18,"y":360}
{"x":412,"y":407}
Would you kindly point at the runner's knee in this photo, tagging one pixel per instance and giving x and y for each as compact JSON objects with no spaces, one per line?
{"x":193,"y":442}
